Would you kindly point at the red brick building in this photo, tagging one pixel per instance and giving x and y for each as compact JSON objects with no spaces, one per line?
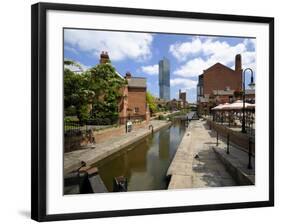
{"x":182,"y":97}
{"x":217,"y":85}
{"x":137,"y":105}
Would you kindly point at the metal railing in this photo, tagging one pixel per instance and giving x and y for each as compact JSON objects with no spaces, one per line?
{"x":240,"y":141}
{"x":77,"y":127}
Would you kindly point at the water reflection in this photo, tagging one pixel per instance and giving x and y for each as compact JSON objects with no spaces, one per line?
{"x":144,"y":164}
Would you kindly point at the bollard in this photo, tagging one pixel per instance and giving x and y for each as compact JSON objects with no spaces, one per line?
{"x":152,"y":128}
{"x":217,"y":138}
{"x":227,"y":146}
{"x":250,"y":153}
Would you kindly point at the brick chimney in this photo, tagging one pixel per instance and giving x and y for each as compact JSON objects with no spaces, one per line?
{"x":104,"y":58}
{"x":238,"y":64}
{"x":128,"y":75}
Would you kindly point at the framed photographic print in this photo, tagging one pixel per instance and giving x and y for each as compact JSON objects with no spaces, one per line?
{"x":139,"y":111}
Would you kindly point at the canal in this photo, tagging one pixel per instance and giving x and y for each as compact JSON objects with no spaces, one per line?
{"x":145,"y":163}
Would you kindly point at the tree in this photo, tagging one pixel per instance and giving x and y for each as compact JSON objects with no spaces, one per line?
{"x":77,"y":94}
{"x":150,"y":99}
{"x":107,"y":85}
{"x":94,"y":93}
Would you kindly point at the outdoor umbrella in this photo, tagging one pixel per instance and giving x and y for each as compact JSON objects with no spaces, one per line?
{"x":220,"y":106}
{"x":237,"y":105}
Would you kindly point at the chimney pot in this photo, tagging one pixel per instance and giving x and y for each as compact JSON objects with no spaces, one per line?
{"x":128,"y":75}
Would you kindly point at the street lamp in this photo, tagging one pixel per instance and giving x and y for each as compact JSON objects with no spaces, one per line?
{"x":251,"y":85}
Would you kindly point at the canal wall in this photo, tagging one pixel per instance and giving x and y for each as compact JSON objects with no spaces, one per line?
{"x":180,"y":169}
{"x":92,"y":155}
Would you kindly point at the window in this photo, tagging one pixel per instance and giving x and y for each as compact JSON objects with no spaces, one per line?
{"x":136,"y":110}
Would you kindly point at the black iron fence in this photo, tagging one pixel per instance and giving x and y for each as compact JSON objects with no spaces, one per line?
{"x":78,"y":127}
{"x":74,"y":127}
{"x":240,"y":141}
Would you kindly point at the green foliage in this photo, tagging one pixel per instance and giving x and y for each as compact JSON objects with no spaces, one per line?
{"x":97,"y":88}
{"x":150,"y":99}
{"x":107,"y":87}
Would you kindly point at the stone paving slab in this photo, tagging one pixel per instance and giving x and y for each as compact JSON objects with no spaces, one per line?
{"x":195,"y":164}
{"x":91,"y":155}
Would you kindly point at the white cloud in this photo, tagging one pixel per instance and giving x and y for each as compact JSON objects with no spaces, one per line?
{"x":208,"y":52}
{"x":76,"y":68}
{"x":192,"y":68}
{"x":150,"y":69}
{"x":184,"y":83}
{"x":181,"y":50}
{"x":119,"y":45}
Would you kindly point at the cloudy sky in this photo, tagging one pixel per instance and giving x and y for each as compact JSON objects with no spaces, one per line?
{"x":140,"y":53}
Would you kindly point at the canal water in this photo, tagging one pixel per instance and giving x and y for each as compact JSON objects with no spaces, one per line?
{"x":145,"y":163}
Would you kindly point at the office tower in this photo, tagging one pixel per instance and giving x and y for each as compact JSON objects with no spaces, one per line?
{"x":164,"y":79}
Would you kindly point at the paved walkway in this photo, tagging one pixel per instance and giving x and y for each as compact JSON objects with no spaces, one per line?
{"x":237,"y":163}
{"x":195,"y":164}
{"x":91,"y":155}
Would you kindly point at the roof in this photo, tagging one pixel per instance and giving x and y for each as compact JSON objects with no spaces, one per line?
{"x":218,"y":65}
{"x":137,"y":82}
{"x":119,"y":74}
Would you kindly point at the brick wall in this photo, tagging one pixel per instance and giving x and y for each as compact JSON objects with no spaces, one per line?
{"x":103,"y":135}
{"x":78,"y":141}
{"x":137,"y":99}
{"x":219,"y":77}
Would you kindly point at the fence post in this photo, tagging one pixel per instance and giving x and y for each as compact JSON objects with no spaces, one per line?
{"x":217,"y":138}
{"x":250,"y":153}
{"x":227,"y":146}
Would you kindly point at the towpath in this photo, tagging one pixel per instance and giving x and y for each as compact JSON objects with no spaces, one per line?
{"x":195,"y":164}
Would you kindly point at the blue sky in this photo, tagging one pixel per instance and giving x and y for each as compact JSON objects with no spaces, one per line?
{"x":140,"y":53}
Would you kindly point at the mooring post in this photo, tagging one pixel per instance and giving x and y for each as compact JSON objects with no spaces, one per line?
{"x":151,"y":126}
{"x":250,"y":153}
{"x":227,"y":146}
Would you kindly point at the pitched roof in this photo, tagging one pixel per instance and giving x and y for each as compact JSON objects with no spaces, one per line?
{"x":218,"y":65}
{"x":137,"y":82}
{"x":119,"y":74}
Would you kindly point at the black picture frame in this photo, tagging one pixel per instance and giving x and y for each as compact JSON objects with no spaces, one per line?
{"x":38,"y":108}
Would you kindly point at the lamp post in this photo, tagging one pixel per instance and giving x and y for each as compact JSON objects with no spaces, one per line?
{"x":251,"y":85}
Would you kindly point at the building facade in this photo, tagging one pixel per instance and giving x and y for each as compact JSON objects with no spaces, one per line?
{"x":132,"y":104}
{"x":218,"y":84}
{"x":137,"y":105}
{"x":182,"y":97}
{"x":164,"y":79}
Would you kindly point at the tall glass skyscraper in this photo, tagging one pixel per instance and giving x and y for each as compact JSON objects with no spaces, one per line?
{"x":164,"y":79}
